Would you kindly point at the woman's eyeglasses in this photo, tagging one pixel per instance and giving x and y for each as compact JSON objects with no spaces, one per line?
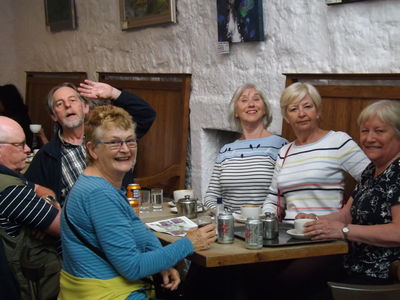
{"x":116,"y":145}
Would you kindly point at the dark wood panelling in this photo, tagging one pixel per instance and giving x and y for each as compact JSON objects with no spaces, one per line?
{"x":162,"y":152}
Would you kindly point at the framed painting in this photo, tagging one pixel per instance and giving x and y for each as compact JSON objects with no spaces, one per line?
{"x":60,"y":15}
{"x":333,"y":2}
{"x":240,"y":21}
{"x":142,"y":13}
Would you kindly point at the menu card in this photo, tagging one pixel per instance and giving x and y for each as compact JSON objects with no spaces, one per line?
{"x":175,"y":226}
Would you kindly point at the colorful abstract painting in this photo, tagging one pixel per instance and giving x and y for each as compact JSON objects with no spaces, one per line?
{"x":240,"y":21}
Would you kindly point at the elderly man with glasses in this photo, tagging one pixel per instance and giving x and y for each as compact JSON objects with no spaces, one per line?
{"x":20,"y":202}
{"x":59,"y":163}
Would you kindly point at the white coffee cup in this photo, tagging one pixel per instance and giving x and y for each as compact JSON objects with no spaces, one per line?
{"x":250,"y":211}
{"x":180,"y":194}
{"x":299,"y":225}
{"x":35,"y":128}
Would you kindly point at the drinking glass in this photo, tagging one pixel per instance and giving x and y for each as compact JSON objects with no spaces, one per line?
{"x":145,"y":204}
{"x":157,"y":199}
{"x":204,"y":220}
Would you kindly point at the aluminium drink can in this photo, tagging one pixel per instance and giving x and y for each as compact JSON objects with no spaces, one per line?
{"x":133,"y":195}
{"x":225,"y":228}
{"x":254,"y":233}
{"x":133,"y":190}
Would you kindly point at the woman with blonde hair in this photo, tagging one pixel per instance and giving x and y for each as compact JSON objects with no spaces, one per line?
{"x":309,"y":172}
{"x":370,"y":220}
{"x":243,"y":169}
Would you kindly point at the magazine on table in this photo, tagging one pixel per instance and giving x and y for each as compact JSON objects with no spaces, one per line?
{"x":177,"y":226}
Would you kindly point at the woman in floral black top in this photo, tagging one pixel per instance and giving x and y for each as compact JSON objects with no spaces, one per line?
{"x":370,"y":220}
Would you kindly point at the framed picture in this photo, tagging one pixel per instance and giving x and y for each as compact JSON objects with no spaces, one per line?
{"x":142,"y":13}
{"x":60,"y":15}
{"x":240,"y":21}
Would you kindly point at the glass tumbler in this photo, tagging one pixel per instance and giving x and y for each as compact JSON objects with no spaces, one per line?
{"x":157,"y":199}
{"x":145,"y":204}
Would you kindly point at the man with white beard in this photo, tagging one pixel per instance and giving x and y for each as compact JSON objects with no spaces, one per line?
{"x":59,"y":163}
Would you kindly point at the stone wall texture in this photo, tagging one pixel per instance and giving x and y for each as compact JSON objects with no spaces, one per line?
{"x":304,"y":36}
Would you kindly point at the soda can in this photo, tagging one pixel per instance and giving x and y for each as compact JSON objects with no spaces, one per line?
{"x":225,"y":228}
{"x":133,"y":190}
{"x":270,"y":226}
{"x":254,"y":233}
{"x":133,"y":195}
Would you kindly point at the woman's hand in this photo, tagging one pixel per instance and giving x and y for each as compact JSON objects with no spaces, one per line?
{"x":171,"y":279}
{"x":324,"y":229}
{"x":202,"y":238}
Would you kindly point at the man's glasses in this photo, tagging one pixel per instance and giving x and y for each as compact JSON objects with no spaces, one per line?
{"x":116,"y":145}
{"x":18,"y":145}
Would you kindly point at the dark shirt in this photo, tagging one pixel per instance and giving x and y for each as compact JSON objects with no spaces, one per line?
{"x":373,"y":199}
{"x":19,"y":206}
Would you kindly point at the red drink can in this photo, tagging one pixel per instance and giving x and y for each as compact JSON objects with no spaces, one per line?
{"x":225,"y":228}
{"x":254,"y":234}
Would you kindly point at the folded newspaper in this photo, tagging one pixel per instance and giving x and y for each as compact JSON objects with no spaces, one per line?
{"x":175,"y":226}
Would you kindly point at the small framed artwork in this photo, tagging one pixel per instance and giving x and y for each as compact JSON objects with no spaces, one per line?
{"x":142,"y":13}
{"x":240,"y":21}
{"x":60,"y":15}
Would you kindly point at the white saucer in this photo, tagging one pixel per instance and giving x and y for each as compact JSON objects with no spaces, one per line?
{"x":293,"y":234}
{"x":171,"y":203}
{"x":175,"y":210}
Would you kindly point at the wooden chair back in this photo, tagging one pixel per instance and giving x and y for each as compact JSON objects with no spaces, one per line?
{"x":162,"y":152}
{"x":343,"y":291}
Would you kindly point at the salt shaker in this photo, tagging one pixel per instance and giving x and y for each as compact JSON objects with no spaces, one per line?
{"x":270,"y":226}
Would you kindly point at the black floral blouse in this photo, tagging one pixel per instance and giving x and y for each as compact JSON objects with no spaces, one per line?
{"x":372,"y":202}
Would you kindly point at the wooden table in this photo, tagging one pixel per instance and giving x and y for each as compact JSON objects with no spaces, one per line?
{"x":237,"y":254}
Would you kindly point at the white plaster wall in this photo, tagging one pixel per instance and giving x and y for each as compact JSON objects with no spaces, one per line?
{"x":8,"y":69}
{"x":301,"y":36}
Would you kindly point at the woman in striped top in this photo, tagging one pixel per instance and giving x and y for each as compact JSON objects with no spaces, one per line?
{"x":243,"y":169}
{"x":309,"y":172}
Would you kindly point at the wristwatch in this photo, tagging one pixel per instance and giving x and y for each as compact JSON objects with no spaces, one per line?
{"x":346,"y":231}
{"x":49,"y":199}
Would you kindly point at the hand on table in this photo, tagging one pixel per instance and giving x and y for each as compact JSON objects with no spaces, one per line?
{"x":171,"y":279}
{"x":98,"y":90}
{"x":201,"y":238}
{"x":324,"y":229}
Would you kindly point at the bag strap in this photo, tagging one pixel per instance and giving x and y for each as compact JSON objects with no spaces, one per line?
{"x":81,"y":238}
{"x":96,"y":250}
{"x":279,"y":208}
